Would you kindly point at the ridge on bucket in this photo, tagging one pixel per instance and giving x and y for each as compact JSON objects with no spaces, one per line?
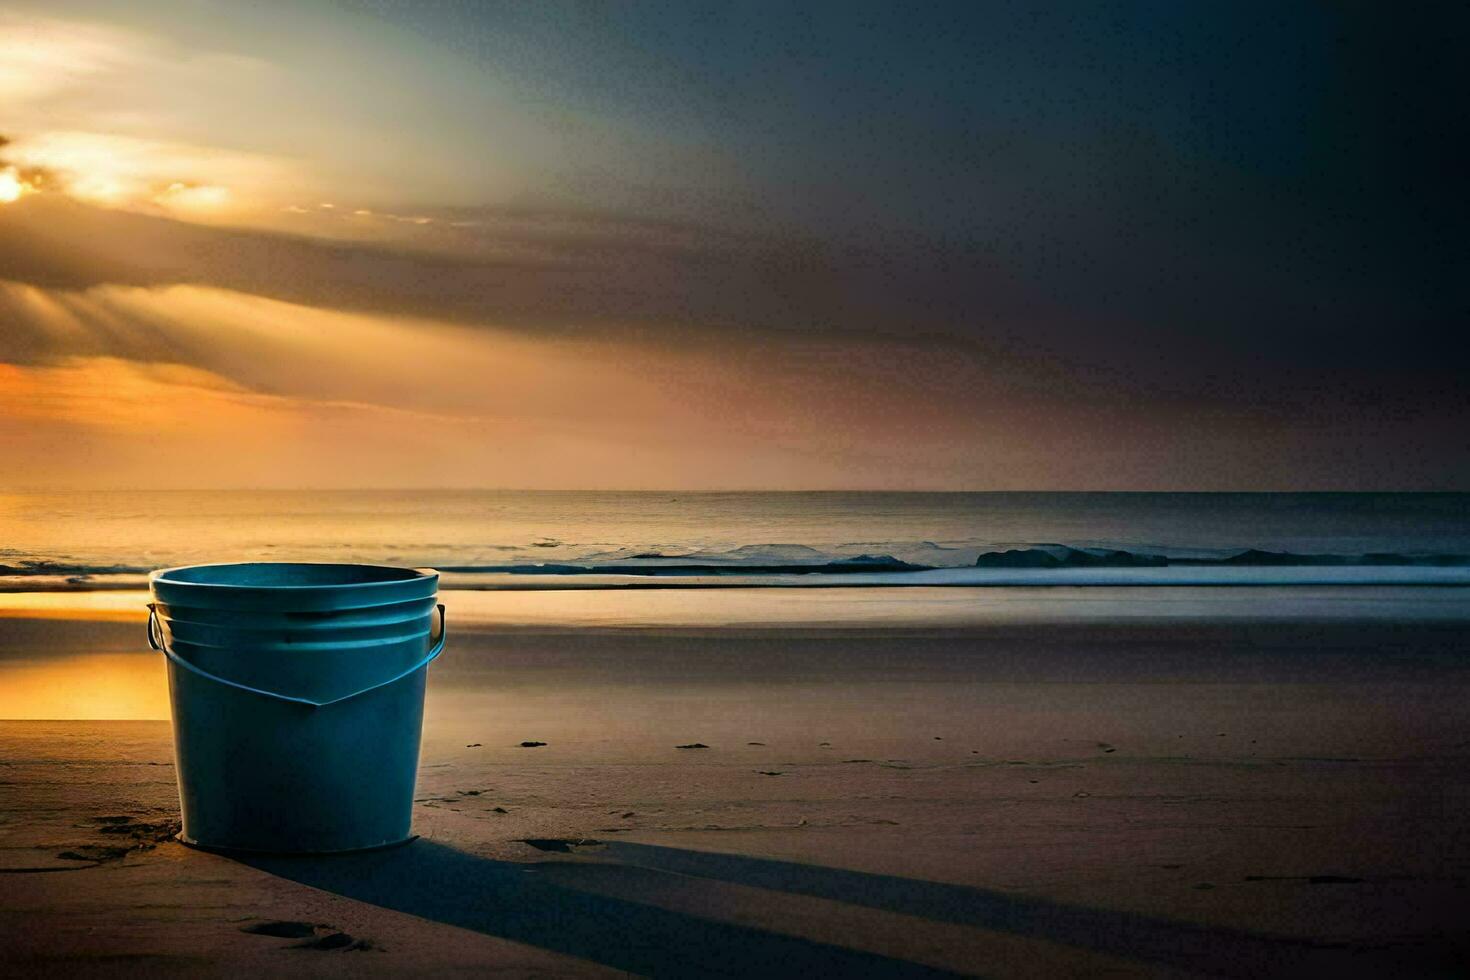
{"x":297,"y":692}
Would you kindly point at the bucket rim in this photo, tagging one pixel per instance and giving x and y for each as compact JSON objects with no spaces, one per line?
{"x":406,"y":576}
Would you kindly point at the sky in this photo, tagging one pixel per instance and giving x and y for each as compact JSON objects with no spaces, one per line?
{"x":733,"y":246}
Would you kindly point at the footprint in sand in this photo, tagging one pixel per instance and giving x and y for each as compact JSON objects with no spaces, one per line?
{"x":281,"y":929}
{"x":151,"y":831}
{"x":138,"y":835}
{"x":330,"y":939}
{"x":97,"y":855}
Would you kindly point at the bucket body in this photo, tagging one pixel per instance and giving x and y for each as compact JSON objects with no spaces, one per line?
{"x":297,"y":694}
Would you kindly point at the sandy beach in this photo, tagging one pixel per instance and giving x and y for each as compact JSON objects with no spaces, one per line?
{"x":1225,"y":797}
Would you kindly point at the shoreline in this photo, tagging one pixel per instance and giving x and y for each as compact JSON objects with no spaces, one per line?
{"x":863,"y":608}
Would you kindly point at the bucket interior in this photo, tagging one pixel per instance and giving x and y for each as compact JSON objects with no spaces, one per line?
{"x":286,"y":575}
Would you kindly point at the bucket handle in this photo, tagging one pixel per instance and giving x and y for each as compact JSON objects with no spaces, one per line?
{"x":156,"y":641}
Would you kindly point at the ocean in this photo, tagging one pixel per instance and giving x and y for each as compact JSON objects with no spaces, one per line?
{"x":536,"y":539}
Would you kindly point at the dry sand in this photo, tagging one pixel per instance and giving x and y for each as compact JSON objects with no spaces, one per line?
{"x":1229,"y":798}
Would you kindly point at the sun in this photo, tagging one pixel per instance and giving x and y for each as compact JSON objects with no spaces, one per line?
{"x":11,"y":186}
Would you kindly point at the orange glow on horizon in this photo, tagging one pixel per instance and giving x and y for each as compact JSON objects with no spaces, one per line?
{"x":283,"y":394}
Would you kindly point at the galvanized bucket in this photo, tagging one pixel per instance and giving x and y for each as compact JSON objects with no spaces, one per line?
{"x":298,"y":697}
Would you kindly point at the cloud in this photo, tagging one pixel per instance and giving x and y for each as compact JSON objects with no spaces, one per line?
{"x":564,"y":273}
{"x":552,"y":272}
{"x":193,"y":386}
{"x":128,"y":171}
{"x":41,"y":56}
{"x":117,"y":116}
{"x":190,"y":386}
{"x":206,"y":198}
{"x":119,"y":395}
{"x":100,"y":421}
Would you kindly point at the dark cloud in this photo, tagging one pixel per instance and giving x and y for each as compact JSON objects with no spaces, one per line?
{"x":1212,"y":337}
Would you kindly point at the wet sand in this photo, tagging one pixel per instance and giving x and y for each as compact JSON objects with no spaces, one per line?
{"x":1230,"y":798}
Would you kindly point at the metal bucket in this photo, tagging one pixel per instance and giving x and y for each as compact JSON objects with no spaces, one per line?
{"x":298,"y":695}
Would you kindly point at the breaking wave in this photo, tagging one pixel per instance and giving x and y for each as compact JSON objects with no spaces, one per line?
{"x":794,"y":565}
